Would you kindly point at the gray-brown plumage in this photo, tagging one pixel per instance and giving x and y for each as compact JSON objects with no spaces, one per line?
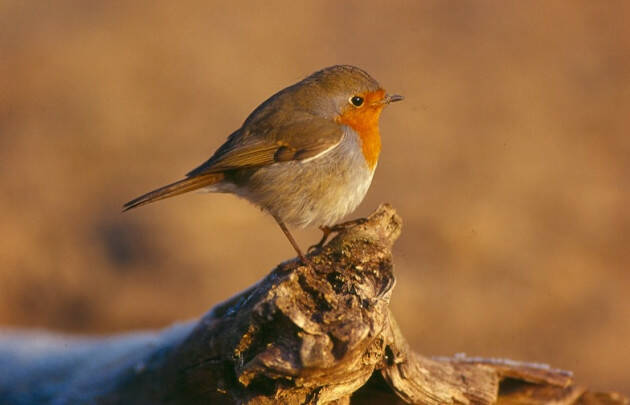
{"x":306,"y":155}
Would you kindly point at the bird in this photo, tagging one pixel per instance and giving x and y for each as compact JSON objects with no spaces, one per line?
{"x":306,"y":155}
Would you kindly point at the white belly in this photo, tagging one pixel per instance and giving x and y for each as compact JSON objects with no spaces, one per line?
{"x":318,"y":191}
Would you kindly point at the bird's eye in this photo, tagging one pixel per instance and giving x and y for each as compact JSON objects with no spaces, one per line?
{"x":356,"y":101}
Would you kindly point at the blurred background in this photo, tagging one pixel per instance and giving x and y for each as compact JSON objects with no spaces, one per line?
{"x":509,"y":162}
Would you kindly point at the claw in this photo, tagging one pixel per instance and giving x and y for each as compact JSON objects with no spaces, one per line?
{"x":327,"y":230}
{"x":319,"y":245}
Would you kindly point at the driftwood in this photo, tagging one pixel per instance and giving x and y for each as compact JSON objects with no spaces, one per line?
{"x":321,"y":335}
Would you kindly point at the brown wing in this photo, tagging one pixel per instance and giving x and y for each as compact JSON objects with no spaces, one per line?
{"x":297,"y":141}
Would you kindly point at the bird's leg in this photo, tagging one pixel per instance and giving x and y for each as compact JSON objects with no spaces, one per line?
{"x":293,"y":242}
{"x":327,"y":230}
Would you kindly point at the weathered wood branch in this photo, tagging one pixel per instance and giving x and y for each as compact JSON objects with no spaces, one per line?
{"x":319,"y":335}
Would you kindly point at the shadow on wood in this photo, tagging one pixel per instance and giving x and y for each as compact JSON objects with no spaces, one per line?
{"x":316,"y":335}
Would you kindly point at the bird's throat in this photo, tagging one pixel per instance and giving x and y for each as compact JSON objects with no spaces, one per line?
{"x":364,"y":122}
{"x":370,"y":143}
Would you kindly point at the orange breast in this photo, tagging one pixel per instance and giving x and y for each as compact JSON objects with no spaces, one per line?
{"x":364,"y":120}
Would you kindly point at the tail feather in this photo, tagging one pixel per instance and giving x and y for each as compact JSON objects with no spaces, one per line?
{"x":173,"y":189}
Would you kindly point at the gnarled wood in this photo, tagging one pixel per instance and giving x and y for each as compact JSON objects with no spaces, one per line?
{"x":322,"y":335}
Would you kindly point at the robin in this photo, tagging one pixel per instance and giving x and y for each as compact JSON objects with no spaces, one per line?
{"x":307,"y":155}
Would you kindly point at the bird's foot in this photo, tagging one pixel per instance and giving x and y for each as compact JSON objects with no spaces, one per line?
{"x":327,"y":230}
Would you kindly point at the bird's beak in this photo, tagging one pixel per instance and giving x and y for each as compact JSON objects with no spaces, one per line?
{"x":391,"y":98}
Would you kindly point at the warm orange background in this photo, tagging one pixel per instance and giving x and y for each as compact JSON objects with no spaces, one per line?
{"x":509,"y":162}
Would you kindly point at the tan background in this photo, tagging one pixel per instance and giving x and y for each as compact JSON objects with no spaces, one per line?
{"x":509,"y":162}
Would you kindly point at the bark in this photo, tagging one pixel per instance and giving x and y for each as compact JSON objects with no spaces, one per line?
{"x":321,"y":334}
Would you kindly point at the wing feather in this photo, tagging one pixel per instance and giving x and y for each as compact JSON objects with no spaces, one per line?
{"x":297,"y":141}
